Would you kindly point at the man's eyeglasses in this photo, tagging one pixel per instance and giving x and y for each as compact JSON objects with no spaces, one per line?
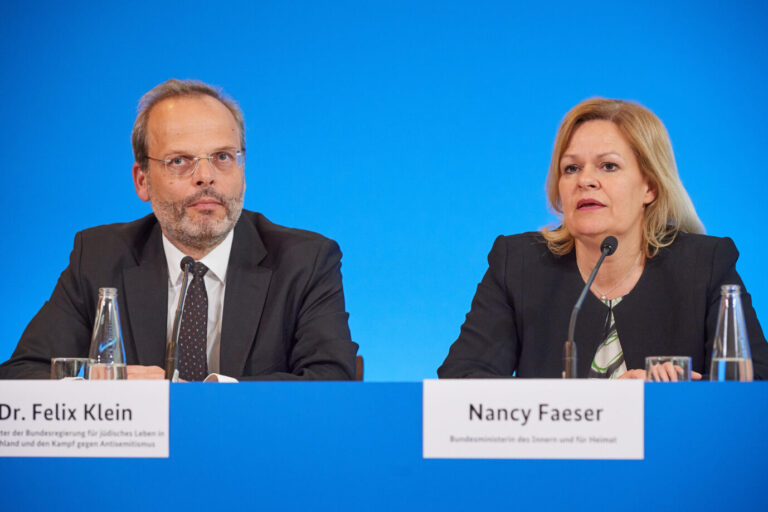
{"x":181,"y":166}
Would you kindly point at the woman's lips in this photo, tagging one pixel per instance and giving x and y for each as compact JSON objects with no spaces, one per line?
{"x":589,"y":204}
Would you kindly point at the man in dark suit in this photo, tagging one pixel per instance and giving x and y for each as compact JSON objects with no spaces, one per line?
{"x":273,"y":295}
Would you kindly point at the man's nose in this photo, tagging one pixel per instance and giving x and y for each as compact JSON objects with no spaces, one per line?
{"x":205,"y":172}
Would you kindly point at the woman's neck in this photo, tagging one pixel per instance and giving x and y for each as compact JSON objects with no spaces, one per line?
{"x":619,"y":273}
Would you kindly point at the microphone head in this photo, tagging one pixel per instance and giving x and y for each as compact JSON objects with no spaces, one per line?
{"x":188,"y":260}
{"x":608,"y":246}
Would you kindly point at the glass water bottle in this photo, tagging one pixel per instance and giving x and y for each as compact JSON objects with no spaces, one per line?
{"x":731,"y":358}
{"x":107,"y":355}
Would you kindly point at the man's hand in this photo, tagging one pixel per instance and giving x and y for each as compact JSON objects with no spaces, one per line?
{"x":137,"y":372}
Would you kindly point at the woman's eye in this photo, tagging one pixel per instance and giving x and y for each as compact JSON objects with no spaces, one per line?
{"x":610,"y":166}
{"x":570,"y":169}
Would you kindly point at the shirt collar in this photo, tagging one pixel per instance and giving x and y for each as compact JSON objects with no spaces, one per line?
{"x":217,"y":260}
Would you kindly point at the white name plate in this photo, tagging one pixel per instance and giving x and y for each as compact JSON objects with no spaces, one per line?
{"x":533,"y":419}
{"x":40,"y":418}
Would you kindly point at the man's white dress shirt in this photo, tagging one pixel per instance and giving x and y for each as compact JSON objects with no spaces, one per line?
{"x":215,"y":283}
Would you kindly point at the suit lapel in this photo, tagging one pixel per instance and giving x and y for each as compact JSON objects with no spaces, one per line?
{"x":146,"y":300}
{"x":590,"y":331}
{"x":644,"y":313}
{"x":244,"y":297}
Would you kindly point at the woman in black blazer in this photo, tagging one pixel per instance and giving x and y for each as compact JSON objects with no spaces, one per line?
{"x":612,"y":173}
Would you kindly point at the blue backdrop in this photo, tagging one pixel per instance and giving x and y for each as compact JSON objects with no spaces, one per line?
{"x":413,"y":133}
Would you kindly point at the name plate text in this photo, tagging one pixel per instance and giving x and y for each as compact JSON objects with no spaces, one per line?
{"x":61,"y":418}
{"x":533,"y":419}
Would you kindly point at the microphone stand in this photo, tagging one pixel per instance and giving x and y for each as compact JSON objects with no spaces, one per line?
{"x":570,"y":355}
{"x":172,"y":348}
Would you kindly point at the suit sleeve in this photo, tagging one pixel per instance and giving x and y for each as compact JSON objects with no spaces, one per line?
{"x":724,"y":272}
{"x":60,"y":329}
{"x":488,"y":343}
{"x":322,"y":348}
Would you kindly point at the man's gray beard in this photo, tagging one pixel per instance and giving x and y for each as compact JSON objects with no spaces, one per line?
{"x":203,"y":235}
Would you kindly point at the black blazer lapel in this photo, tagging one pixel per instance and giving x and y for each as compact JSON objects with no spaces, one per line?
{"x":646,"y":312}
{"x":246,"y":291}
{"x":590,"y":331}
{"x":146,"y":301}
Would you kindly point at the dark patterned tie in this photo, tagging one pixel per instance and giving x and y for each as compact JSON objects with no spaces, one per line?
{"x":193,"y":333}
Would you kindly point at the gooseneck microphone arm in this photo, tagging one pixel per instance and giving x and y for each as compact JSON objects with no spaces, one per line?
{"x":570,"y":356}
{"x":172,"y":348}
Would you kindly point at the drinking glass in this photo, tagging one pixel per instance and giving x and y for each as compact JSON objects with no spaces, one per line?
{"x":667,"y":369}
{"x":72,"y":368}
{"x":105,"y":371}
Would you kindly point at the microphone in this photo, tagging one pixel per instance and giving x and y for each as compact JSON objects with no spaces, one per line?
{"x":607,"y":247}
{"x":172,"y":348}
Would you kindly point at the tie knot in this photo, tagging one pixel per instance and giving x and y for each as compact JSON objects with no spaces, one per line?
{"x":199,"y":269}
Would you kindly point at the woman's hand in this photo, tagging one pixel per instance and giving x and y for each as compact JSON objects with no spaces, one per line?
{"x":633,"y":374}
{"x":666,"y":372}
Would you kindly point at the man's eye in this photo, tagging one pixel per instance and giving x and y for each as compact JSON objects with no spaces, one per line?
{"x":224,"y":156}
{"x":177,"y":161}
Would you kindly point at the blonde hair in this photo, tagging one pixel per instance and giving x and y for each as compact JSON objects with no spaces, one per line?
{"x":670,"y":212}
{"x":170,"y":89}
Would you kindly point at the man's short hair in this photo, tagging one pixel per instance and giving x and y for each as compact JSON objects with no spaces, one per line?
{"x":171,"y":89}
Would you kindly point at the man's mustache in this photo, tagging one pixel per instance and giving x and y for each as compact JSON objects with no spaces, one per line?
{"x":207,"y":193}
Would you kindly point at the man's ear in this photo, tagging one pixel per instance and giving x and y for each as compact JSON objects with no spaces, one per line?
{"x":140,"y":181}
